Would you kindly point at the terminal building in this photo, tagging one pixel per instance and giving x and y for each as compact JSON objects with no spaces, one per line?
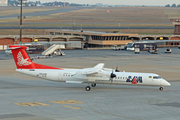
{"x":79,"y":39}
{"x":94,"y":39}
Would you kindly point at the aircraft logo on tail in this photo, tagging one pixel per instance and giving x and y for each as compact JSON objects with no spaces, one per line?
{"x":21,"y":60}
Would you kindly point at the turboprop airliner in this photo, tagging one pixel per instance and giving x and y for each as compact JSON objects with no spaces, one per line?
{"x":93,"y":76}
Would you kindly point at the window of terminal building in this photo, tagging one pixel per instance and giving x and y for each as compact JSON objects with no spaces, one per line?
{"x":110,"y":38}
{"x":58,"y":33}
{"x":103,"y":38}
{"x":67,"y":33}
{"x":106,"y":37}
{"x":51,"y":33}
{"x":76,"y":35}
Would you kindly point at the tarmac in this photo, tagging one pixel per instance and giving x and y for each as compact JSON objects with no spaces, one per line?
{"x":43,"y":13}
{"x":28,"y":98}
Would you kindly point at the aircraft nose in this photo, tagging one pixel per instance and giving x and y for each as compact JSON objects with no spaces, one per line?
{"x":165,"y":83}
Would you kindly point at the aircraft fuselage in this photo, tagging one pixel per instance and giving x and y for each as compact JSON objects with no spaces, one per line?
{"x":103,"y":77}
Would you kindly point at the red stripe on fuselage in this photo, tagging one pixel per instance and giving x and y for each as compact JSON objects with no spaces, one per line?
{"x":39,"y":66}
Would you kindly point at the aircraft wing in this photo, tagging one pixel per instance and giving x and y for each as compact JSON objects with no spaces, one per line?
{"x":95,"y":69}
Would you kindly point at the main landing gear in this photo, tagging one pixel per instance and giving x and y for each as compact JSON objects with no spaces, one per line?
{"x":93,"y":84}
{"x":88,"y":88}
{"x":161,"y":88}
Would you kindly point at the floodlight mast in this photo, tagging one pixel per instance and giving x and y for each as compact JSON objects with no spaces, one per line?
{"x":21,"y":20}
{"x":21,"y":24}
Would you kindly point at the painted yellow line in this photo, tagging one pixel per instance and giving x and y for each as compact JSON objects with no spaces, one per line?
{"x":67,"y":102}
{"x":31,"y":104}
{"x":73,"y":107}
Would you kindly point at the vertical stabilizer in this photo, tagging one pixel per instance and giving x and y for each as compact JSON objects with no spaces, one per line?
{"x":21,"y":58}
{"x":23,"y":61}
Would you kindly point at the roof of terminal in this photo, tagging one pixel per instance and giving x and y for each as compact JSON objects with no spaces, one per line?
{"x":91,"y":32}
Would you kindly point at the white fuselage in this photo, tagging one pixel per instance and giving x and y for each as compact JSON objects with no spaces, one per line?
{"x":102,"y":77}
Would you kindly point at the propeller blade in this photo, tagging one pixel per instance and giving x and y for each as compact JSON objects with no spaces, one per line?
{"x":112,"y":75}
{"x":117,"y":69}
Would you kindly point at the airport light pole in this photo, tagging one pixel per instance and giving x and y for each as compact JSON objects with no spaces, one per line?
{"x":21,"y":23}
{"x":21,"y":20}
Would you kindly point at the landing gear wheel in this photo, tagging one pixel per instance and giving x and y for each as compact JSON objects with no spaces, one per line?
{"x":161,"y":88}
{"x":88,"y":88}
{"x":93,"y":84}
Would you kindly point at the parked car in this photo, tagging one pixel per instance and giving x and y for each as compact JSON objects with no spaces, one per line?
{"x":154,"y":51}
{"x":8,"y":51}
{"x":122,"y":47}
{"x":167,"y":50}
{"x":115,"y":47}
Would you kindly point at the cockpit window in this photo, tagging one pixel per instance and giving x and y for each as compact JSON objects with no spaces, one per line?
{"x":156,"y":77}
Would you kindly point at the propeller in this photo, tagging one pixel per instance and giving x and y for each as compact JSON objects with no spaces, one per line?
{"x":112,"y":76}
{"x":117,"y":69}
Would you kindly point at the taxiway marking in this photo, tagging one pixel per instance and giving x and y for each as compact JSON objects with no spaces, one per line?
{"x":31,"y":104}
{"x":67,"y":102}
{"x":73,"y":107}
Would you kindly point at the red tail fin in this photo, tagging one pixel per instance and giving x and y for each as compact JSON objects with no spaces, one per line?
{"x":23,"y":61}
{"x":21,"y":58}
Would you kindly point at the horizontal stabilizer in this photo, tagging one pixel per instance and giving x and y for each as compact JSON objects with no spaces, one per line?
{"x":77,"y":82}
